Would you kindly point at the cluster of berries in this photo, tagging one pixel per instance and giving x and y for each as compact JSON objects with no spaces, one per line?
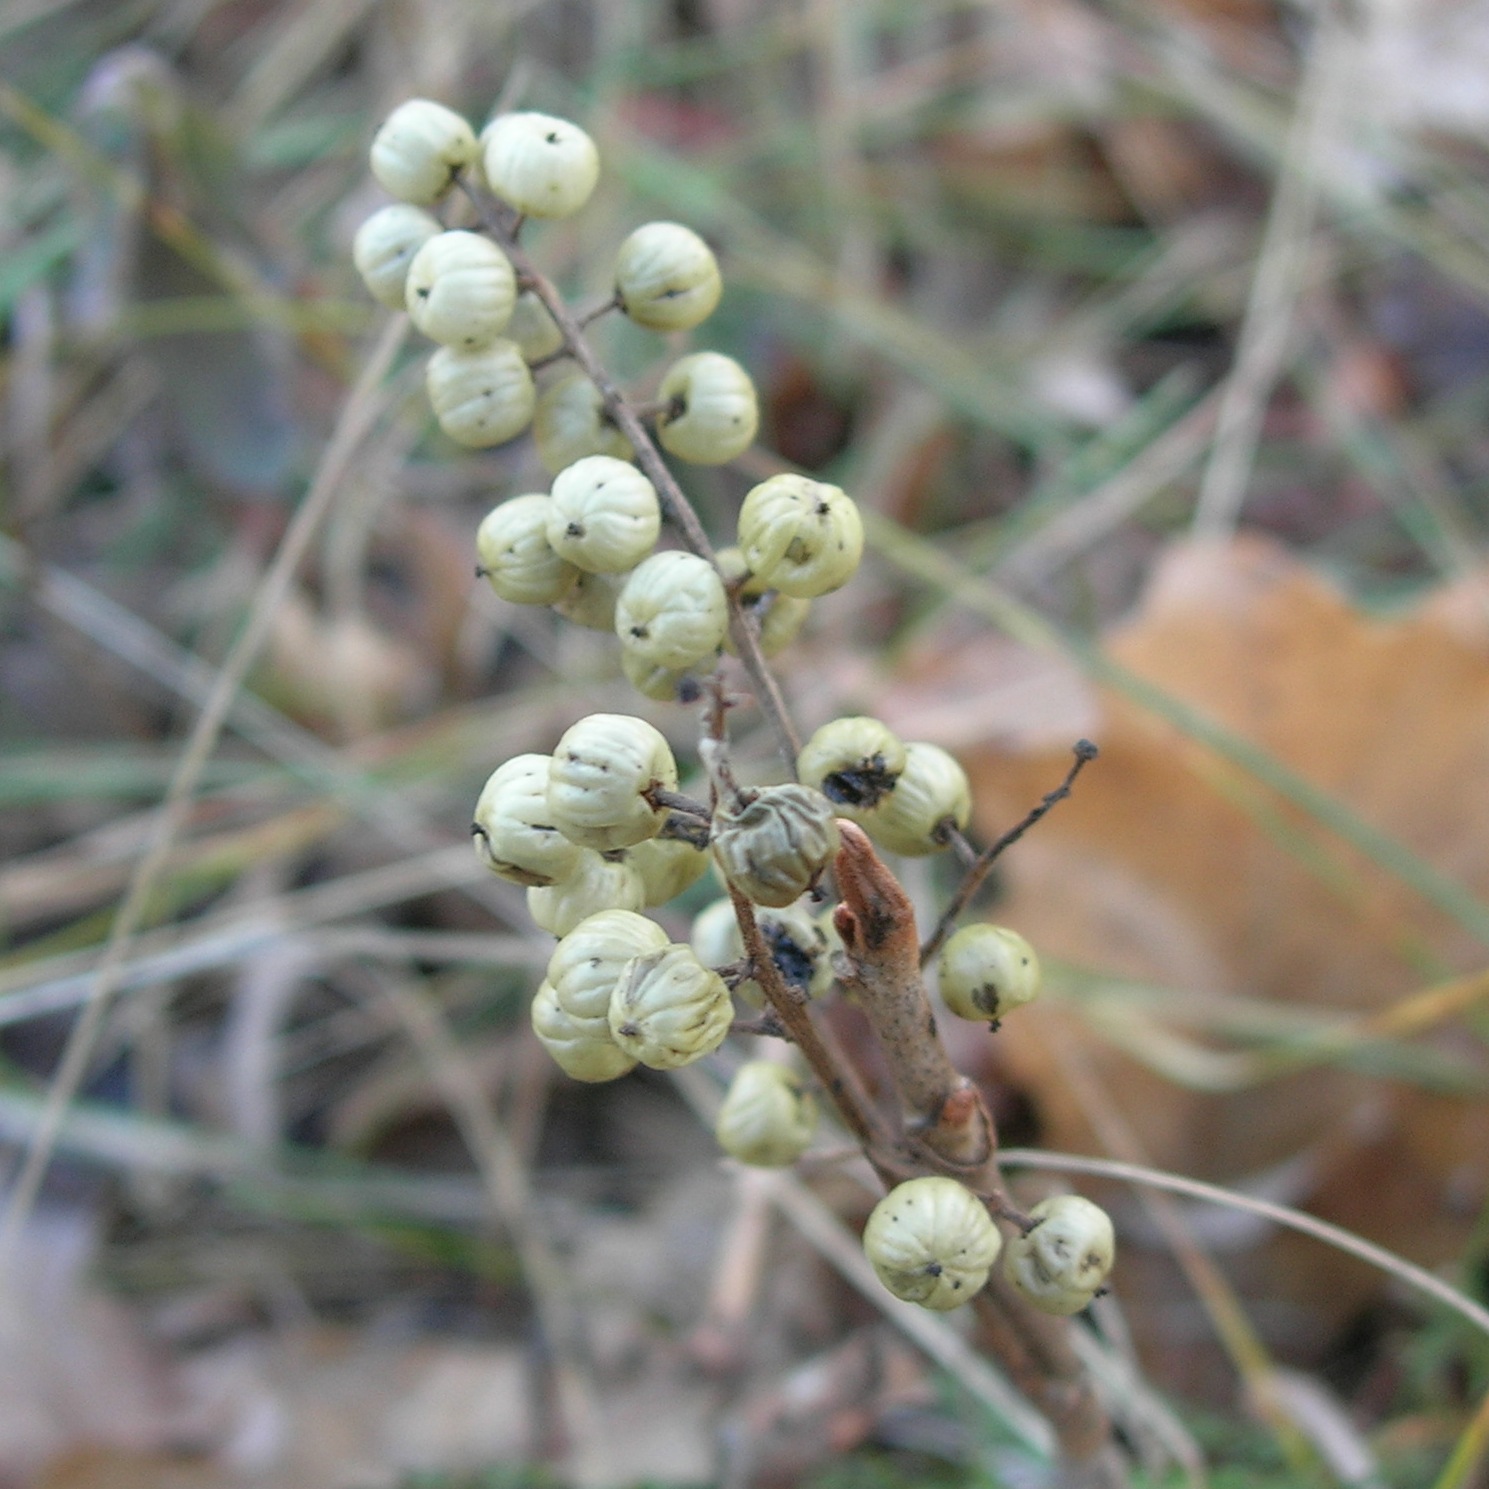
{"x":932,"y":1242}
{"x":598,"y":832}
{"x":586,"y":548}
{"x":461,"y":290}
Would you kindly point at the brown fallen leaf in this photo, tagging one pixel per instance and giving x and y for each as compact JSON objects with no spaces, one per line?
{"x":1173,"y":870}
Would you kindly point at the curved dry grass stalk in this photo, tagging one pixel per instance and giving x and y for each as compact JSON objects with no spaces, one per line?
{"x":1267,"y":329}
{"x":1413,"y":1276}
{"x":360,"y":411}
{"x":505,"y":1180}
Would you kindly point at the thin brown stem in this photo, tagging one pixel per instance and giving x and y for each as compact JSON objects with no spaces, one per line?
{"x":951,"y":834}
{"x":837,"y":1076}
{"x":654,"y":406}
{"x":1085,"y":752}
{"x":1035,"y":1350}
{"x":588,"y":317}
{"x":563,"y":354}
{"x":677,"y":801}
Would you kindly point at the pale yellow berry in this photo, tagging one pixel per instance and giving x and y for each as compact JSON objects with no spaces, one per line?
{"x":672,"y":611}
{"x":665,"y":684}
{"x":667,"y":277}
{"x":668,"y":1009}
{"x":570,"y":422}
{"x":535,"y":331}
{"x":481,"y":397}
{"x":605,"y":515}
{"x":541,"y":165}
{"x":420,"y":149}
{"x":581,"y":1048}
{"x":598,"y":783}
{"x":587,"y":963}
{"x":986,"y":971}
{"x":595,"y":884}
{"x":773,"y":848}
{"x":591,"y":602}
{"x":460,"y":289}
{"x":1061,"y":1264}
{"x":712,"y":413}
{"x":714,"y":936}
{"x":931,"y":790}
{"x":515,"y":556}
{"x":802,"y":537}
{"x":854,"y":762}
{"x":511,"y":830}
{"x":931,"y":1241}
{"x":767,"y":1118}
{"x":667,"y":867}
{"x":385,"y":246}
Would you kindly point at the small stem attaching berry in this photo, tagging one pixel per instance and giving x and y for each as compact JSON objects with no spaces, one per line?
{"x":833,"y":1070}
{"x":948,"y":832}
{"x":677,"y":801}
{"x":588,"y":317}
{"x":1084,"y":752}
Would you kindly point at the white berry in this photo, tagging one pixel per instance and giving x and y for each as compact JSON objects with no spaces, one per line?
{"x":667,"y":866}
{"x":672,"y":611}
{"x":595,"y":884}
{"x":533,"y":329}
{"x":932,"y":1242}
{"x":986,"y":971}
{"x":516,"y":558}
{"x":668,"y":1009}
{"x":419,"y":150}
{"x":570,"y":422}
{"x":512,"y":831}
{"x":385,"y":246}
{"x":460,"y":289}
{"x":541,"y":165}
{"x":712,"y":411}
{"x":667,"y":277}
{"x":931,"y":789}
{"x":605,"y":515}
{"x":481,"y":396}
{"x":803,"y":537}
{"x":591,"y":602}
{"x":581,"y":1048}
{"x":767,"y":1118}
{"x":1061,"y":1264}
{"x":854,"y":762}
{"x":598,"y":781}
